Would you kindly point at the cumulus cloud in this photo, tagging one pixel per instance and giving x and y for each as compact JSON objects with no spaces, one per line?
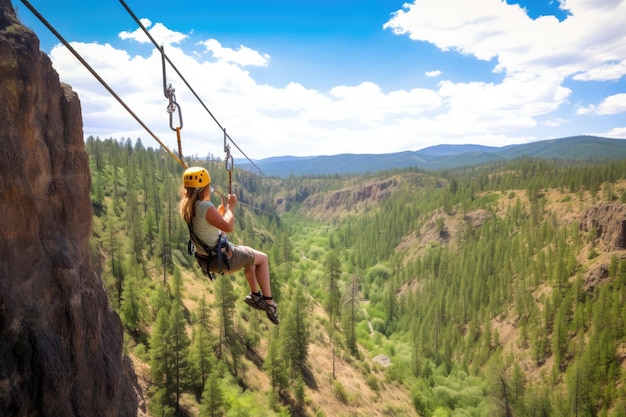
{"x":555,"y":122}
{"x":159,"y":32}
{"x":606,"y":72}
{"x":258,"y":116}
{"x":533,"y":58}
{"x":435,"y":73}
{"x":492,"y":29}
{"x":243,"y":56}
{"x":611,"y":105}
{"x":536,"y":57}
{"x":618,"y":132}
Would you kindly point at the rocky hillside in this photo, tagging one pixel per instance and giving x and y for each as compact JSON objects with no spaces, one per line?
{"x":359,"y":194}
{"x":60,"y":342}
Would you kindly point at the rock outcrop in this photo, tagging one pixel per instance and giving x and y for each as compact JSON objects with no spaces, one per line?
{"x":608,"y":221}
{"x":60,"y":342}
{"x":345,"y":200}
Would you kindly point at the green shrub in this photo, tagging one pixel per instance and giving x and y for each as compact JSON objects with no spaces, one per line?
{"x":340,"y":392}
{"x":372,"y":382}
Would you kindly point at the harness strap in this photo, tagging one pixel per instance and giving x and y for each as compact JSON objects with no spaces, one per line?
{"x":220,"y":250}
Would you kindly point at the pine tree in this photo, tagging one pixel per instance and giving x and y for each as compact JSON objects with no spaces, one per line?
{"x":350,"y":313}
{"x":177,"y":337}
{"x":201,"y":358}
{"x":295,"y":333}
{"x":225,"y":299}
{"x":160,"y":356}
{"x":275,"y":363}
{"x":212,"y":397}
{"x":333,"y":269}
{"x":132,"y":305}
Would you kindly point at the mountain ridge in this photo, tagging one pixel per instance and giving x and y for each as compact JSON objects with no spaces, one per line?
{"x":439,"y":157}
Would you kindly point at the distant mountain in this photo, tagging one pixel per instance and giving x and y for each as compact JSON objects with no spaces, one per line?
{"x":443,"y":150}
{"x":440,"y":157}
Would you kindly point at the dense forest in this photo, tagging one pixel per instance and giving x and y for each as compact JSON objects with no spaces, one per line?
{"x":473,"y":283}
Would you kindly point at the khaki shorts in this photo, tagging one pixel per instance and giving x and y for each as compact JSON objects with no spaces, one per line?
{"x":242,"y":258}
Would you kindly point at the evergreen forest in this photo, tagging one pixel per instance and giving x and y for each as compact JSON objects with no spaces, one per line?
{"x":476,"y":291}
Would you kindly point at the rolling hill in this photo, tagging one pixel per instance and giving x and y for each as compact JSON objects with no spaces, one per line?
{"x":440,"y":157}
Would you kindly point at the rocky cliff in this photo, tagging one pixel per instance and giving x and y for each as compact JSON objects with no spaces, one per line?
{"x":608,"y":221}
{"x":60,"y":342}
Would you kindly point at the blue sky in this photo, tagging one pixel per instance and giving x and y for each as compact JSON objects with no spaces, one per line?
{"x":329,"y":77}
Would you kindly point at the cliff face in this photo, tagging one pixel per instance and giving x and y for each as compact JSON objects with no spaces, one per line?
{"x":60,"y":342}
{"x":609,"y":222}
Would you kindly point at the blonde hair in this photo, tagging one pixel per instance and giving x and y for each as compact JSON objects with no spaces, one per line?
{"x":187,"y":207}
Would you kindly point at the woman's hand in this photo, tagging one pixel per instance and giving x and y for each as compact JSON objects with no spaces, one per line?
{"x":222,"y":218}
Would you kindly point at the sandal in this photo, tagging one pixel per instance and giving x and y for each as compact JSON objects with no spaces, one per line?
{"x":255,"y":300}
{"x":271,"y":310}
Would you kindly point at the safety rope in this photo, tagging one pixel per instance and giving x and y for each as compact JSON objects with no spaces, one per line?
{"x":104,"y":84}
{"x":172,"y":107}
{"x":164,"y":56}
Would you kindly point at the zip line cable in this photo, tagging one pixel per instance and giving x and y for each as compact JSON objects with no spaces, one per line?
{"x":161,"y":49}
{"x":104,"y":84}
{"x":130,"y":111}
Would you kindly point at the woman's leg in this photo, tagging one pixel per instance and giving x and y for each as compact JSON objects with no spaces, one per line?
{"x":258,"y":274}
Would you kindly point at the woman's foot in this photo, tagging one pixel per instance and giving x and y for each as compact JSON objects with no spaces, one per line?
{"x":255,"y":300}
{"x":271,"y":309}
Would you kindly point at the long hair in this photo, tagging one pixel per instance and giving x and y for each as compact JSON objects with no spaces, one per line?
{"x":187,"y":207}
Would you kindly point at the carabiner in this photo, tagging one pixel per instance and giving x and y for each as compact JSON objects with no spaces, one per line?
{"x":171,"y":109}
{"x":169,"y":91}
{"x":228,"y":161}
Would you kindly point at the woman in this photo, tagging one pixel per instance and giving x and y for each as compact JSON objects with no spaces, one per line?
{"x":207,"y":223}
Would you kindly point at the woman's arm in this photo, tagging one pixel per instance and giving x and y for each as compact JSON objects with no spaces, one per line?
{"x":226,"y":222}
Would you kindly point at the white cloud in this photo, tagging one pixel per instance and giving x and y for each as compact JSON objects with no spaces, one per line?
{"x":555,"y":122}
{"x":605,"y":72}
{"x":581,"y":111}
{"x":161,"y":34}
{"x":492,"y":29}
{"x":617,"y":132}
{"x":434,"y":73}
{"x":262,"y":119}
{"x":243,"y":56}
{"x":611,"y":105}
{"x":535,"y":58}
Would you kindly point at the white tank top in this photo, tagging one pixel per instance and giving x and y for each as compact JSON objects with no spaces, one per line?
{"x":204,"y":230}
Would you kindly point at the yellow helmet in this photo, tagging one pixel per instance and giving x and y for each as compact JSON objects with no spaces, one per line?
{"x":196,"y":177}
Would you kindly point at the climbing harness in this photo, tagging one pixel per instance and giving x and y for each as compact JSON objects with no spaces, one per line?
{"x":219,"y":251}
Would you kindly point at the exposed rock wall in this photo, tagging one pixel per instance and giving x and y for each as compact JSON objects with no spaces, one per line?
{"x":349,"y":199}
{"x":609,"y":222}
{"x":60,"y":342}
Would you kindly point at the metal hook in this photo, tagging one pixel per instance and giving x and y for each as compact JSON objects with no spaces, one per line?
{"x":228,"y":159}
{"x":171,"y":109}
{"x":169,"y":93}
